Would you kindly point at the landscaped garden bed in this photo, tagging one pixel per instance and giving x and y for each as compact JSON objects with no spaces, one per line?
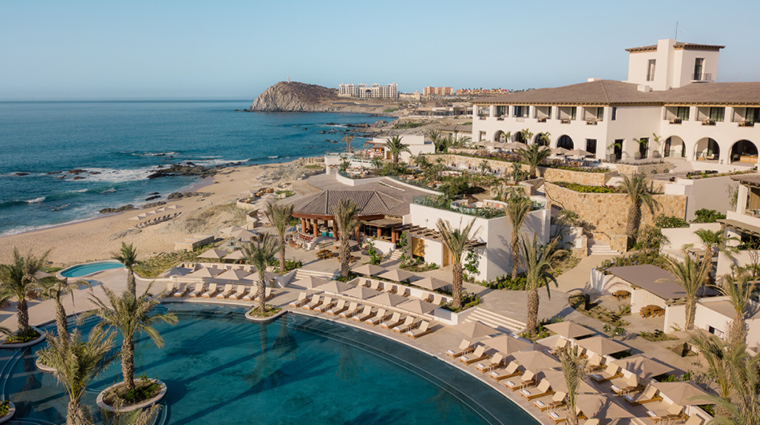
{"x":596,"y":311}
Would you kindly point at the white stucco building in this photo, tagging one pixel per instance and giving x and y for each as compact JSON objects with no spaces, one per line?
{"x":671,"y":91}
{"x":374,"y":91}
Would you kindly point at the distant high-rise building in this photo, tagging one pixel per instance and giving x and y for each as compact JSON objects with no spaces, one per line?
{"x":375,"y":91}
{"x":438,"y":91}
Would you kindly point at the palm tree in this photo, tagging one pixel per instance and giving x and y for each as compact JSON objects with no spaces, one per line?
{"x":718,"y":359}
{"x":433,"y":135}
{"x":517,"y":210}
{"x":462,"y":141}
{"x":129,"y":315}
{"x":260,"y":253}
{"x":348,"y":138}
{"x":643,"y":142}
{"x":534,"y":155}
{"x":280,"y":216}
{"x":456,"y":241}
{"x":573,"y":366}
{"x":395,"y":146}
{"x":55,"y":289}
{"x":543,"y":137}
{"x":738,"y":290}
{"x":715,"y":241}
{"x":17,"y":280}
{"x":691,"y":275}
{"x":443,"y":143}
{"x":638,"y":194}
{"x":537,"y":261}
{"x":76,"y":364}
{"x":127,"y":255}
{"x":346,"y":218}
{"x":507,"y":136}
{"x":484,"y":167}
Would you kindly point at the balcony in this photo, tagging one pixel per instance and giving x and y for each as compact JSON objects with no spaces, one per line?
{"x":708,"y":122}
{"x":591,"y":122}
{"x":701,"y":77}
{"x":746,"y":123}
{"x":542,"y":119}
{"x":565,"y":121}
{"x":675,"y":121}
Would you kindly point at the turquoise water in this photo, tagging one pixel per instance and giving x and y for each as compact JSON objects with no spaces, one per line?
{"x":221,"y":369}
{"x":119,"y":144}
{"x":85,"y":269}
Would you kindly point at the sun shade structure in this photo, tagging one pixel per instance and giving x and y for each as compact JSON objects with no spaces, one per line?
{"x":684,"y":393}
{"x":213,"y":253}
{"x":335,"y":287}
{"x":602,"y":345}
{"x":557,"y":379}
{"x":368,"y":270}
{"x":255,"y":276}
{"x":579,"y":152}
{"x":560,"y":151}
{"x":601,"y":406}
{"x":643,"y":366}
{"x":235,"y":255}
{"x":227,"y":231}
{"x":569,"y":329}
{"x":233,"y":275}
{"x":397,"y":275}
{"x":418,"y":306}
{"x":475,"y":330}
{"x":655,"y":280}
{"x":206,"y":272}
{"x":387,"y":299}
{"x":535,"y":361}
{"x":176,"y":271}
{"x":506,"y":344}
{"x":361,"y":292}
{"x":245,"y":235}
{"x":311,"y":282}
{"x":430,"y":283}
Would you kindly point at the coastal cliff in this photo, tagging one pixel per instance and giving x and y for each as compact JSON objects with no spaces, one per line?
{"x":300,"y":97}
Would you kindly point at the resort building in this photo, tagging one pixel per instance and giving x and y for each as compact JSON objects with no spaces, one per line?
{"x":417,"y":145}
{"x":671,"y":92}
{"x":437,"y":91}
{"x":375,"y":91}
{"x":743,"y":225}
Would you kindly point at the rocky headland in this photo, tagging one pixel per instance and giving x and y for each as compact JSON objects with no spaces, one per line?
{"x":300,"y":97}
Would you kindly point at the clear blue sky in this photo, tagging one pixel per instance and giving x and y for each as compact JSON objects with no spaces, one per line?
{"x":229,"y":49}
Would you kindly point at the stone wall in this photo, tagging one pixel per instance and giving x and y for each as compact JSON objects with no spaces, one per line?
{"x":647,"y":169}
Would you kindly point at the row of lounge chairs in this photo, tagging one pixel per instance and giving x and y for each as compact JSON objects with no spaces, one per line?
{"x":213,"y":290}
{"x":365,"y":314}
{"x":395,"y":288}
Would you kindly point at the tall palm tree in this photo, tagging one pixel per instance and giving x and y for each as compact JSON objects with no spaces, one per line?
{"x":715,"y":241}
{"x":573,"y":366}
{"x":719,"y":360}
{"x":534,"y":155}
{"x":744,"y":406}
{"x":76,"y":364}
{"x":638,"y":194}
{"x":517,"y":210}
{"x":260,"y":253}
{"x":396,"y":146}
{"x":55,"y":289}
{"x":738,"y":289}
{"x":690,"y":275}
{"x":280,"y":216}
{"x":443,"y":143}
{"x":543,"y":138}
{"x":537,"y":261}
{"x":348,"y":138}
{"x":346,"y":218}
{"x":456,"y":241}
{"x":433,"y":135}
{"x":17,"y":280}
{"x":127,"y":255}
{"x":129,"y":315}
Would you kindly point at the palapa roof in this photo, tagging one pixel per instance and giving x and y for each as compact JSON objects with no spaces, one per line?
{"x":369,"y":203}
{"x":655,"y":280}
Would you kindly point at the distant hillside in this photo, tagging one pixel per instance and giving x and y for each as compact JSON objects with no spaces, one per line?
{"x":300,"y":97}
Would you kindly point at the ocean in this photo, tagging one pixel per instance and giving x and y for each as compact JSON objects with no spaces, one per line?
{"x":119,"y":144}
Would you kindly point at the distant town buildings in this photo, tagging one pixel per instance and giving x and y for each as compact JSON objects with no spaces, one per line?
{"x":362,"y":91}
{"x":438,"y":91}
{"x":465,"y":92}
{"x":410,"y":96}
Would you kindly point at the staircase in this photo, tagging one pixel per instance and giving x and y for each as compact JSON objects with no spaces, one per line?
{"x":601,"y":249}
{"x":495,"y":320}
{"x":302,"y":273}
{"x":395,"y":255}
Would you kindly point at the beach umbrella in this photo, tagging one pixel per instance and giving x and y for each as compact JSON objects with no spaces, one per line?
{"x":560,"y":151}
{"x":228,"y":230}
{"x":368,"y":270}
{"x":602,"y":345}
{"x":311,"y":282}
{"x":205,"y":272}
{"x":643,"y":366}
{"x":254,"y":276}
{"x":579,"y":152}
{"x":475,"y":330}
{"x":515,"y":145}
{"x":243,"y":234}
{"x":683,"y":393}
{"x":335,"y":287}
{"x":535,"y":361}
{"x":233,"y":275}
{"x":569,"y":329}
{"x":430,"y":283}
{"x":361,"y":292}
{"x":397,"y":275}
{"x":506,"y":344}
{"x":557,"y":378}
{"x":235,"y":255}
{"x":213,"y":253}
{"x":601,"y":406}
{"x":176,"y":271}
{"x":418,"y":306}
{"x":172,"y":207}
{"x":386,"y":299}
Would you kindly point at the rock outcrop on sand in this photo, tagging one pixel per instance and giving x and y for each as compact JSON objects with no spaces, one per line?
{"x":300,"y":97}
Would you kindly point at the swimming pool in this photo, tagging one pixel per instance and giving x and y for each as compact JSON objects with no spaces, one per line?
{"x":90,"y":268}
{"x":221,"y":369}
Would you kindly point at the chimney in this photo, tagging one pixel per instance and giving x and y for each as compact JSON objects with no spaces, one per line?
{"x":644,"y":88}
{"x":591,"y":80}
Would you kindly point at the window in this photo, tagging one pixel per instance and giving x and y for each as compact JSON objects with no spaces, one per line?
{"x":683,"y":113}
{"x":573,"y":111}
{"x":518,"y":111}
{"x":650,"y":70}
{"x":752,"y":115}
{"x":614,"y":113}
{"x":698,"y":65}
{"x":599,"y":115}
{"x":716,"y":114}
{"x":591,"y":145}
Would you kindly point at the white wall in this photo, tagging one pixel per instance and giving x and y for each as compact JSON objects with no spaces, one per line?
{"x":679,"y":237}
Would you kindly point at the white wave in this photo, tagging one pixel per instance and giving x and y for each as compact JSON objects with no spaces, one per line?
{"x":212,"y":162}
{"x":35,"y":200}
{"x":77,"y":191}
{"x":111,"y":190}
{"x":113,"y":175}
{"x":170,"y":153}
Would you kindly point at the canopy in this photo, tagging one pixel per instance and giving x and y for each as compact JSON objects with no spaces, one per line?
{"x":418,"y":306}
{"x":569,"y":329}
{"x":557,"y":379}
{"x":368,"y":270}
{"x":397,"y":275}
{"x":235,"y":255}
{"x":430,"y":283}
{"x":244,"y":234}
{"x":643,"y":366}
{"x":361,"y":292}
{"x":310,"y":282}
{"x":579,"y":152}
{"x":506,"y":344}
{"x":387,"y":299}
{"x":683,"y":393}
{"x":535,"y":361}
{"x":176,"y":271}
{"x":255,"y":276}
{"x":206,"y":272}
{"x":601,"y":406}
{"x":213,"y":253}
{"x":560,"y":151}
{"x":475,"y":330}
{"x":335,"y":287}
{"x":233,"y":275}
{"x":602,"y":345}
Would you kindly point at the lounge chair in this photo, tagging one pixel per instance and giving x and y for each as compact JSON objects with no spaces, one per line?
{"x":339,"y":308}
{"x":379,"y":317}
{"x":241,"y":290}
{"x":170,"y":289}
{"x":609,"y":374}
{"x":429,"y":298}
{"x":366,"y":314}
{"x":528,"y":379}
{"x":477,"y":355}
{"x":558,"y":400}
{"x":200,"y":288}
{"x":394,"y":321}
{"x":496,"y":361}
{"x":464,"y":348}
{"x":212,"y":290}
{"x":408,"y":325}
{"x":228,"y":290}
{"x":375,"y":285}
{"x":316,"y":300}
{"x":391,"y":289}
{"x":544,"y":388}
{"x":631,"y":386}
{"x":365,"y":282}
{"x":513,"y":369}
{"x":438,"y":299}
{"x":648,"y":396}
{"x":423,"y":329}
{"x":267,"y":295}
{"x":595,"y":363}
{"x":352,"y":310}
{"x":252,"y":293}
{"x":179,"y":293}
{"x":560,"y":344}
{"x":403,"y":291}
{"x":556,"y":417}
{"x":675,"y":413}
{"x":302,"y":299}
{"x":326,"y":305}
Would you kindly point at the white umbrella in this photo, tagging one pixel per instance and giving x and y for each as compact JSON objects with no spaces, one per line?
{"x":418,"y":306}
{"x":397,"y":275}
{"x":475,"y":330}
{"x":560,"y":151}
{"x":235,"y":255}
{"x":535,"y":361}
{"x":430,"y":283}
{"x":579,"y":152}
{"x":643,"y":366}
{"x":176,"y":271}
{"x":683,"y":393}
{"x":310,"y":282}
{"x":507,"y":344}
{"x":390,"y":300}
{"x":602,"y":345}
{"x":233,"y":275}
{"x":569,"y":329}
{"x":361,"y":292}
{"x":368,"y":270}
{"x":205,"y":272}
{"x":335,"y":287}
{"x":213,"y":253}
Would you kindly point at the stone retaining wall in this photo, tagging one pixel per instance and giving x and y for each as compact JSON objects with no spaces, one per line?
{"x":647,"y":169}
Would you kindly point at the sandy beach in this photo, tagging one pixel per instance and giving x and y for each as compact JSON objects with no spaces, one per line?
{"x":95,"y":239}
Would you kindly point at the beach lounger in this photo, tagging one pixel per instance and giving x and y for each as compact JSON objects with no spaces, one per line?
{"x":560,"y":344}
{"x":478,"y":355}
{"x":391,"y":323}
{"x":316,"y":301}
{"x":558,"y":400}
{"x":365,"y":282}
{"x":464,"y":348}
{"x":212,"y":290}
{"x":544,"y":388}
{"x":423,"y":329}
{"x":648,"y":396}
{"x":179,"y":293}
{"x":496,"y":361}
{"x":406,"y":326}
{"x":428,"y":298}
{"x":438,"y":299}
{"x":556,"y":417}
{"x":675,"y":412}
{"x":252,"y":293}
{"x":170,"y":289}
{"x":379,"y":317}
{"x":302,"y":299}
{"x":326,"y":305}
{"x":339,"y":308}
{"x":228,"y":290}
{"x":513,"y":369}
{"x":366,"y":314}
{"x":609,"y":374}
{"x":376,"y":285}
{"x":352,"y":310}
{"x":528,"y":379}
{"x":631,"y":386}
{"x":595,"y":363}
{"x":391,"y":289}
{"x":267,"y":295}
{"x":241,"y":290}
{"x":403,"y":291}
{"x":200,"y":288}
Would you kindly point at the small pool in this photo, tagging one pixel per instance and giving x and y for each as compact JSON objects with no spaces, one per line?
{"x":90,"y":268}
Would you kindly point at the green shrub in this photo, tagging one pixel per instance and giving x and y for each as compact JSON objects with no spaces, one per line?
{"x":707,"y":216}
{"x":670,"y":222}
{"x":5,"y":407}
{"x":587,"y":189}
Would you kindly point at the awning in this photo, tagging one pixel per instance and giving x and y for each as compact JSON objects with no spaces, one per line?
{"x":425,"y":233}
{"x":742,"y":227}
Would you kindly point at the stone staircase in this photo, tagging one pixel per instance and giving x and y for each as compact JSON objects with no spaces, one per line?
{"x":302,"y":273}
{"x":395,"y":255}
{"x":495,"y":320}
{"x":597,"y":248}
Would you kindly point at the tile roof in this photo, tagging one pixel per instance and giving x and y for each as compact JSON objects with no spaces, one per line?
{"x":714,"y":93}
{"x":655,"y":280}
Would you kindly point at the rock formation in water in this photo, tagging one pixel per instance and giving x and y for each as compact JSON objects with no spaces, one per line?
{"x":300,"y":97}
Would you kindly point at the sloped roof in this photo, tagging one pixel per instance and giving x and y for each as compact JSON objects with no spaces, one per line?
{"x":714,"y":93}
{"x":599,"y":92}
{"x":655,"y":280}
{"x":326,"y":203}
